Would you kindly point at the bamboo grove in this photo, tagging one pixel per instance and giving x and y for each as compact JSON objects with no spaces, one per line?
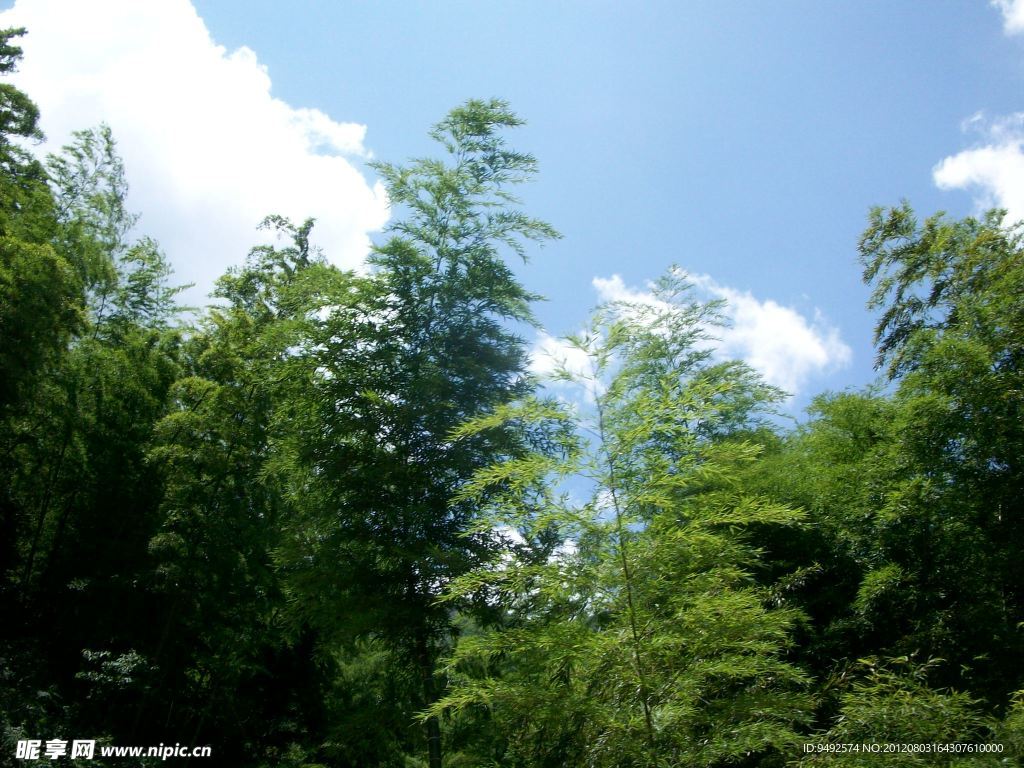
{"x":333,"y":520}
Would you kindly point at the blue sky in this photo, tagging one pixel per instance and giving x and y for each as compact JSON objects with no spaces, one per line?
{"x":744,"y":141}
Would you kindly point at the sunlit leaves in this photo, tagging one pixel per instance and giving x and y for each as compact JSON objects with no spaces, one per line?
{"x":642,"y":639}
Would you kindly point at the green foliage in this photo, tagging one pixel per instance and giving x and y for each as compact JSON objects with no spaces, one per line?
{"x":914,"y":497}
{"x":333,"y":524}
{"x":126,"y":283}
{"x":86,"y":333}
{"x":1010,"y":732}
{"x":230,"y":664}
{"x":952,"y":329}
{"x":892,"y":704}
{"x":390,"y":364}
{"x":40,"y":306}
{"x":643,"y":639}
{"x":19,"y":116}
{"x":40,"y":309}
{"x":943,"y":280}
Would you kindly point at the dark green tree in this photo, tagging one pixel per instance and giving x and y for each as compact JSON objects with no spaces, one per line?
{"x":41,"y":310}
{"x":87,"y":325}
{"x":914,"y":496}
{"x":951,"y":334}
{"x":230,"y":670}
{"x":399,"y":359}
{"x":40,"y":303}
{"x":892,"y":705}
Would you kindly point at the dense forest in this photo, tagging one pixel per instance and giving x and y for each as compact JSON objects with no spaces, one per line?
{"x":333,"y":520}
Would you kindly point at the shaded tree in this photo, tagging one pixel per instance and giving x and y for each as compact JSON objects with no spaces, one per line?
{"x":400,"y":358}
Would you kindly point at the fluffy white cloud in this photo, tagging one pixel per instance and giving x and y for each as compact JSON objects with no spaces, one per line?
{"x":787,"y":348}
{"x":1013,"y":15}
{"x":209,"y":151}
{"x":551,"y":356}
{"x":614,"y":289}
{"x":994,"y":169}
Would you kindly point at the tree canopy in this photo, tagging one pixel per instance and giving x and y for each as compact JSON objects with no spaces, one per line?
{"x":336,"y":518}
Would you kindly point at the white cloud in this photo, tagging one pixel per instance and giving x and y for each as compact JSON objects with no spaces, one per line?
{"x":994,"y":169}
{"x":783,"y":345}
{"x":209,"y":151}
{"x":787,"y":348}
{"x":614,"y":289}
{"x":551,"y":357}
{"x":1013,"y":15}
